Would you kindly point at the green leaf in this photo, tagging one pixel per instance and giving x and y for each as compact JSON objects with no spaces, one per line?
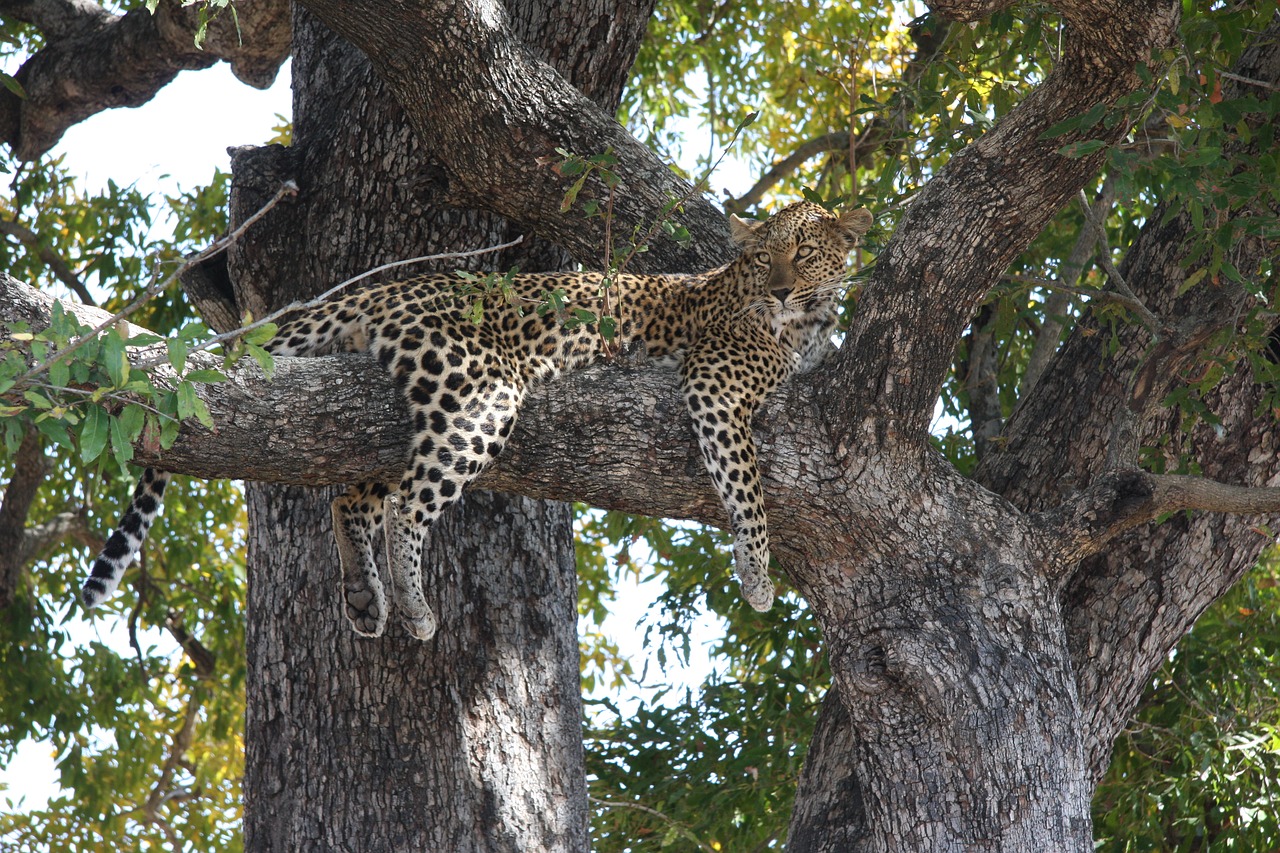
{"x":60,"y":374}
{"x":1083,"y":148}
{"x":264,"y":359}
{"x":121,"y":443}
{"x":177,"y":349}
{"x":13,"y":85}
{"x":207,"y":376}
{"x":37,"y":399}
{"x":114,"y":359}
{"x":93,"y":433}
{"x":261,"y":335}
{"x":131,"y":420}
{"x":169,"y":433}
{"x":188,"y":401}
{"x":608,"y":328}
{"x":202,"y":413}
{"x":571,"y":194}
{"x":1192,"y":280}
{"x":1080,"y":122}
{"x":55,"y":430}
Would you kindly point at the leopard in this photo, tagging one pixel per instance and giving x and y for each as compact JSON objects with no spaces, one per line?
{"x":734,"y":333}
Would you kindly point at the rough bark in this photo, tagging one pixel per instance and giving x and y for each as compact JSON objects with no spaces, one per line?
{"x":95,"y":60}
{"x":497,"y":141}
{"x":976,"y":700}
{"x":1126,"y":608}
{"x":472,"y":741}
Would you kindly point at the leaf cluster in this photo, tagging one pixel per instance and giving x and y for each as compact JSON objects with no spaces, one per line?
{"x":1199,"y":766}
{"x":144,"y":725}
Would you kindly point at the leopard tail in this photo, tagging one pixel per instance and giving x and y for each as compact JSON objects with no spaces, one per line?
{"x":128,"y":537}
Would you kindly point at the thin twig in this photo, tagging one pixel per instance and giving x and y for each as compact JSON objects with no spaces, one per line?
{"x":161,"y":792}
{"x":1150,"y":320}
{"x":286,"y":189}
{"x":51,"y":259}
{"x":1104,"y":295}
{"x":322,"y":298}
{"x":613,"y":804}
{"x":1239,"y":78}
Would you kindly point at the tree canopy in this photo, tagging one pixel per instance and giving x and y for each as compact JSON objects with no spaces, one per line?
{"x":857,"y":104}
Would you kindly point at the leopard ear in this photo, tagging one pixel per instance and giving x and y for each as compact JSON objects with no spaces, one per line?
{"x":743,"y":232}
{"x":854,"y":223}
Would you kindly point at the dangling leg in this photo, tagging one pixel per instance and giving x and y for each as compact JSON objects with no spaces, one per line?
{"x":721,"y":403}
{"x":405,"y":537}
{"x":356,"y":515}
{"x":453,"y":450}
{"x":737,"y":479}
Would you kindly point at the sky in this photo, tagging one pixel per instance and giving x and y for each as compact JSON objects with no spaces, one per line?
{"x":173,"y":143}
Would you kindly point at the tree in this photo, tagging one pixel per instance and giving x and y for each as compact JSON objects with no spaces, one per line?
{"x":990,"y":620}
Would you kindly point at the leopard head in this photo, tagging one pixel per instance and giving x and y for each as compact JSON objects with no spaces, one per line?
{"x":797,"y":256}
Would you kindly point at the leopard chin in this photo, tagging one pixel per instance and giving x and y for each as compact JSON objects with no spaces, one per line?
{"x":466,"y":358}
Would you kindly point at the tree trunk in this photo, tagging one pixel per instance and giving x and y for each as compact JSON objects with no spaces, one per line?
{"x":984,"y":646}
{"x":1121,"y":610}
{"x":473,"y":740}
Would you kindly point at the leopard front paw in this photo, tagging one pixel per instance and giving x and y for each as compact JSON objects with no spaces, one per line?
{"x":759,"y":594}
{"x":753,"y":573}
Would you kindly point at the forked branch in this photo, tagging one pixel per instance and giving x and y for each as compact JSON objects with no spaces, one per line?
{"x":1122,"y":500}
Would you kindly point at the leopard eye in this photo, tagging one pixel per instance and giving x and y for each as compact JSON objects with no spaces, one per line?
{"x":804,"y":252}
{"x":763,"y":259}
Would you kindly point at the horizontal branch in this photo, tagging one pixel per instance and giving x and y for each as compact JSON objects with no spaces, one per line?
{"x":93,"y":60}
{"x":838,"y":141}
{"x":57,"y":18}
{"x":339,"y":419}
{"x":1120,"y":501}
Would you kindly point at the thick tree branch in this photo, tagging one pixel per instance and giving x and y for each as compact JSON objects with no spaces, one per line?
{"x":986,"y":206}
{"x":58,"y":19}
{"x":498,"y":141}
{"x":29,"y":469}
{"x":837,"y":141}
{"x":339,"y":419}
{"x":1120,"y":501}
{"x":1138,"y":597}
{"x":20,"y":543}
{"x":94,"y":60}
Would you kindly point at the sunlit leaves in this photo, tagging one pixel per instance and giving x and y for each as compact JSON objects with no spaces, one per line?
{"x":109,"y":714}
{"x":1199,"y":767}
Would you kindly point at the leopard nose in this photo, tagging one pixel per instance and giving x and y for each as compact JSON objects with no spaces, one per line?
{"x":782,"y":293}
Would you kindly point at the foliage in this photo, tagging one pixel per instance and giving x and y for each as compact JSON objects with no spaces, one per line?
{"x":1199,"y":766}
{"x":714,"y":766}
{"x":115,"y":711}
{"x":709,"y":766}
{"x":814,"y":70}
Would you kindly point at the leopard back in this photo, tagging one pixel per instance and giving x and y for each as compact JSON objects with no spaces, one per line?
{"x":735,"y":333}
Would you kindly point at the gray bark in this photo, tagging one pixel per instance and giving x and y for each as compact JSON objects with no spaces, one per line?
{"x":981,"y":666}
{"x":470,"y":742}
{"x":407,"y":746}
{"x":94,"y":60}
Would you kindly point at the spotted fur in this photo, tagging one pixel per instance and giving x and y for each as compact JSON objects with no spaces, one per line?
{"x":108,"y":569}
{"x":736,"y":333}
